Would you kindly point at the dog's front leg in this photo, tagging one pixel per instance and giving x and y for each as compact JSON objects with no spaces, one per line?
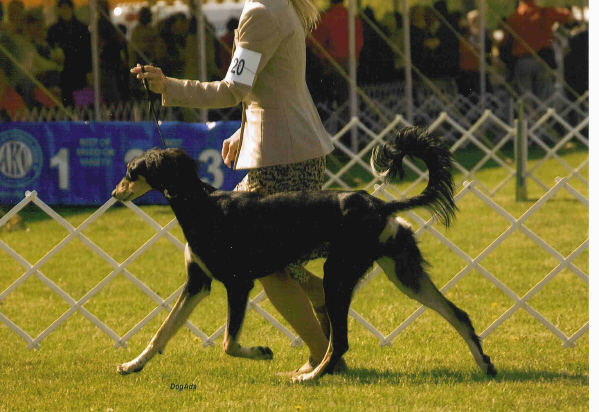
{"x":197,"y":287}
{"x":237,"y":297}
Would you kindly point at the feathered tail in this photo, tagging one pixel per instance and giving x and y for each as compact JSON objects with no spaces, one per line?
{"x":386,"y":162}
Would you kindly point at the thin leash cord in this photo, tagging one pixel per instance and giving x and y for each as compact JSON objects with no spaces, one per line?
{"x":147,"y":87}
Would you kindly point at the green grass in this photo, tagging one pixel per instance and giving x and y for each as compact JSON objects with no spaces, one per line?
{"x":427,"y":368}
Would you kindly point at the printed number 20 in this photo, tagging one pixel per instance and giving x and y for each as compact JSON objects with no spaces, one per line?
{"x":238,"y":66}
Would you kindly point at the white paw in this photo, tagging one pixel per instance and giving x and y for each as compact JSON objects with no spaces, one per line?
{"x":129,"y":367}
{"x":304,"y":377}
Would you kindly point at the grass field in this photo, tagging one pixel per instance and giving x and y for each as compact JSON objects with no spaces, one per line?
{"x":427,"y":368}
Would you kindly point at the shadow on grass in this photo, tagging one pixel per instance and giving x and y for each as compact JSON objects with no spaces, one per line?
{"x":445,"y":375}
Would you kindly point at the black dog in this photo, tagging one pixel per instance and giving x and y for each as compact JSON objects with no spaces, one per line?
{"x":237,"y":237}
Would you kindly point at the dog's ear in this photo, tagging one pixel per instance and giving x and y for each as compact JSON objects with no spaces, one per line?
{"x":137,"y":167}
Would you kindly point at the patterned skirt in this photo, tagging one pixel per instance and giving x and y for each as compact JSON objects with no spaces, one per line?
{"x":301,"y":176}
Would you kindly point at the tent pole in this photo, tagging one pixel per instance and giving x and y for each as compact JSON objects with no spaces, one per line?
{"x":353,"y":96}
{"x":482,"y":61}
{"x":95,"y":57}
{"x":201,"y":36}
{"x":408,"y":62}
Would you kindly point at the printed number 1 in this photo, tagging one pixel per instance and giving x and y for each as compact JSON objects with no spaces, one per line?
{"x":238,"y":66}
{"x":61,"y":160}
{"x":210,"y":156}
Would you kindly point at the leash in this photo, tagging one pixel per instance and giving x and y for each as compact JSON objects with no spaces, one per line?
{"x":147,"y":87}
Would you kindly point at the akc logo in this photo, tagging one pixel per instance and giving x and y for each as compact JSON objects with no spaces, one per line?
{"x":21,"y":158}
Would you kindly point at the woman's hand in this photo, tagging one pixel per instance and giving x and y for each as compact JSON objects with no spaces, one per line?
{"x":156,"y":79}
{"x":230,"y":147}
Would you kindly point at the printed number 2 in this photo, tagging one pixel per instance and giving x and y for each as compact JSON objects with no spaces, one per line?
{"x":238,"y":66}
{"x":214,"y":160}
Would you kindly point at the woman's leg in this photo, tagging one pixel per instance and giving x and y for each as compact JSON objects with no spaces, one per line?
{"x":312,"y":286}
{"x":288,"y":297}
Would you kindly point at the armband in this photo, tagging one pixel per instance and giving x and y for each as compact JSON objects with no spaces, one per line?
{"x":244,"y":66}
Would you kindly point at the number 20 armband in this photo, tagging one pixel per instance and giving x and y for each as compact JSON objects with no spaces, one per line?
{"x":244,"y":66}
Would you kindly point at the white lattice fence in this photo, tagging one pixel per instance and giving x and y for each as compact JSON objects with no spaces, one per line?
{"x":505,"y":134}
{"x":552,"y":152}
{"x":565,"y":262}
{"x":335,"y":178}
{"x":470,"y":189}
{"x":118,"y":268}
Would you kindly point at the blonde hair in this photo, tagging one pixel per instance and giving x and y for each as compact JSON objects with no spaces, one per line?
{"x":307,"y":12}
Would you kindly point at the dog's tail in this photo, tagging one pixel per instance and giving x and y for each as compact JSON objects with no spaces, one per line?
{"x":386,"y":163}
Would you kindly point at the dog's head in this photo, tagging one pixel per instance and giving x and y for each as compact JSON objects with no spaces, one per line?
{"x":165,"y":170}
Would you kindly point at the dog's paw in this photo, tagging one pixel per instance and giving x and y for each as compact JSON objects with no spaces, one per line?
{"x":491,"y":371}
{"x":128,"y":368}
{"x":305,"y":377}
{"x":261,"y":353}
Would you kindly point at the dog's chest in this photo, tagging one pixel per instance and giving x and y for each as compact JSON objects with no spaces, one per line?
{"x":191,"y":257}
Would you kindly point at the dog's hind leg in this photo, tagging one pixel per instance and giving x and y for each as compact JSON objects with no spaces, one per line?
{"x":237,"y":297}
{"x":196,"y":288}
{"x":407,"y":273}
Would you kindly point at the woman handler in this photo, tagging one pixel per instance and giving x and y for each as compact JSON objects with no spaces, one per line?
{"x":281,"y":140}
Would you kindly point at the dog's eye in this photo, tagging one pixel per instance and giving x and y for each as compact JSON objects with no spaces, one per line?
{"x":131,"y":175}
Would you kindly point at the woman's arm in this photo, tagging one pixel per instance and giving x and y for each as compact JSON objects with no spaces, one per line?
{"x":258,"y":40}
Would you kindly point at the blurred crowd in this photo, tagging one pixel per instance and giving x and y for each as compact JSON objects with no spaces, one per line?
{"x":44,"y":65}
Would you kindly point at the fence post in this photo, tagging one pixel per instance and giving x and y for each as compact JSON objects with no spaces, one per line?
{"x":521,"y":155}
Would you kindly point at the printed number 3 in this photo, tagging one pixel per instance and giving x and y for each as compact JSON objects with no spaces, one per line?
{"x":214,"y":160}
{"x":238,"y":66}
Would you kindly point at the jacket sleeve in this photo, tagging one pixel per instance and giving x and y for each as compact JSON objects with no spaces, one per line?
{"x":257,"y":32}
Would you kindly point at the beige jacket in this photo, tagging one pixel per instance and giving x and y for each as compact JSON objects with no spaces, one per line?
{"x":280,"y":124}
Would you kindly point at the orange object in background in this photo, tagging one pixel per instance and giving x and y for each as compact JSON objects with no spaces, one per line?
{"x":12,"y":102}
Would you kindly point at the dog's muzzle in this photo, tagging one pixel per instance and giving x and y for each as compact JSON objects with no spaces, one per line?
{"x":127,"y":190}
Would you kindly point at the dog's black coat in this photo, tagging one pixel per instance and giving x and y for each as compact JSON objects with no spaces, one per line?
{"x":242,"y":236}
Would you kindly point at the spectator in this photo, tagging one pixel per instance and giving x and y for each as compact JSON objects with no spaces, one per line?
{"x":332,"y":35}
{"x":447,"y":54}
{"x":576,"y":63}
{"x":192,"y":69}
{"x":393,"y":23}
{"x":376,"y":62}
{"x":315,"y":78}
{"x":441,"y":49}
{"x":224,"y":54}
{"x":73,"y":38}
{"x":16,"y":17}
{"x":417,"y":36}
{"x":213,"y":72}
{"x":20,"y":48}
{"x":11,"y":102}
{"x":114,"y":74}
{"x":170,"y":49}
{"x":533,"y":28}
{"x":142,"y":46}
{"x":143,"y":39}
{"x":36,"y":33}
{"x":468,"y":79}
